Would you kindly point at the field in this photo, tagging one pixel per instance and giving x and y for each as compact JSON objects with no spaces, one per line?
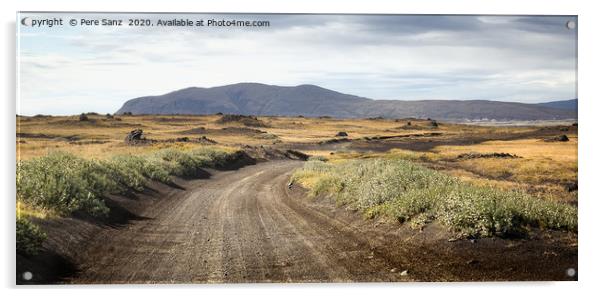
{"x":464,"y":181}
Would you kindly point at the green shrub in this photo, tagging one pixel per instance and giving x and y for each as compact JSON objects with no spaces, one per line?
{"x":125,"y":173}
{"x":181,"y":163}
{"x":63,"y":183}
{"x":189,"y":163}
{"x":29,"y":238}
{"x":154,"y":169}
{"x":214,"y":157}
{"x":407,"y":191}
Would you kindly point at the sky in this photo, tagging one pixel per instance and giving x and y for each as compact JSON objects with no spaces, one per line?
{"x":72,"y":69}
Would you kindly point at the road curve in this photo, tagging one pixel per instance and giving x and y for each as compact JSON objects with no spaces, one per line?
{"x":237,"y":226}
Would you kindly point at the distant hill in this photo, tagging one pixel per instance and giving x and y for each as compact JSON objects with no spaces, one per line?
{"x":313,"y":101}
{"x":565,"y":104}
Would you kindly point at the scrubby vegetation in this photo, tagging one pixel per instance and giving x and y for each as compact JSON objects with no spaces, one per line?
{"x":29,"y":238}
{"x":409,"y":192}
{"x":62,"y":183}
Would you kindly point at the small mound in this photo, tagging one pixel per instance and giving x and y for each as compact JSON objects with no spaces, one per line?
{"x":242,"y":130}
{"x":487,"y":156}
{"x":250,"y":121}
{"x":206,"y":140}
{"x":560,"y":138}
{"x":199,"y":130}
{"x":334,"y":140}
{"x":267,"y":153}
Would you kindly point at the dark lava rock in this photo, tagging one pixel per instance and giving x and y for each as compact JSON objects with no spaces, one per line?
{"x":135,"y":137}
{"x":489,"y":155}
{"x":571,"y":187}
{"x":560,"y":138}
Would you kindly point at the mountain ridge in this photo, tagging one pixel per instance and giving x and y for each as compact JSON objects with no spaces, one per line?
{"x":312,"y":100}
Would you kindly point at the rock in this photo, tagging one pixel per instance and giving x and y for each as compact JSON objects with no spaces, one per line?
{"x":394,"y":270}
{"x":204,"y":139}
{"x":474,"y":155}
{"x":560,"y":138}
{"x":135,"y":137}
{"x":341,"y":134}
{"x":571,"y":187}
{"x":404,"y":273}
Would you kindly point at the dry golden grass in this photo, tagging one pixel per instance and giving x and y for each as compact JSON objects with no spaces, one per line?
{"x":544,"y":168}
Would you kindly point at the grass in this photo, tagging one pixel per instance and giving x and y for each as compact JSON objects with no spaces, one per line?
{"x":406,"y":191}
{"x":29,"y":238}
{"x":61,"y":183}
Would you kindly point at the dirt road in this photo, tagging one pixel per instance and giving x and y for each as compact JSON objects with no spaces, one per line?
{"x":248,"y":226}
{"x":237,"y":226}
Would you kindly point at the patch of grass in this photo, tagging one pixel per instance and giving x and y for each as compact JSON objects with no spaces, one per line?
{"x":29,"y":238}
{"x":318,"y":158}
{"x":406,"y":191}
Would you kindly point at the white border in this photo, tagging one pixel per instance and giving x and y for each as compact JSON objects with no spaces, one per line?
{"x":589,"y":122}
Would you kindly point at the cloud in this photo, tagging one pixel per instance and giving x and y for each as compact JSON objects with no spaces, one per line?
{"x":513,"y":58}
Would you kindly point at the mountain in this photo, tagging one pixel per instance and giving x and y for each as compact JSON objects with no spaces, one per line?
{"x":313,"y":101}
{"x":565,"y":104}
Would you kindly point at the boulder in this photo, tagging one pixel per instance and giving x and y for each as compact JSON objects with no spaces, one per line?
{"x":571,"y":187}
{"x":135,"y":137}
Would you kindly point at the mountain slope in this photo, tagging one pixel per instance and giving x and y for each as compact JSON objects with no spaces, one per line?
{"x":565,"y":104}
{"x":310,"y":100}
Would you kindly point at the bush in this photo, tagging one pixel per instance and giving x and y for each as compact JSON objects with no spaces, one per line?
{"x":213,"y":157}
{"x":63,"y":183}
{"x":406,"y":191}
{"x":180,"y":163}
{"x":29,"y":238}
{"x":137,"y":169}
{"x":126,"y":171}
